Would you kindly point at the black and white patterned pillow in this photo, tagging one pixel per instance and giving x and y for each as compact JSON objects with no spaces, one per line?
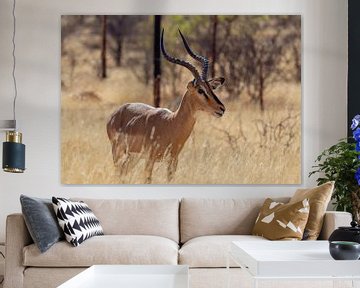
{"x":77,"y":220}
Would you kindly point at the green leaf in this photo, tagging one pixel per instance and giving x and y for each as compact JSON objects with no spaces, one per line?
{"x":338,"y":163}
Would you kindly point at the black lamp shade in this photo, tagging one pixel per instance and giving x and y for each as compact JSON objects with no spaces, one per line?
{"x":13,"y":157}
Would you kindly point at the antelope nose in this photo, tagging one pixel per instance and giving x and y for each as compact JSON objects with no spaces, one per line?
{"x":222,"y":109}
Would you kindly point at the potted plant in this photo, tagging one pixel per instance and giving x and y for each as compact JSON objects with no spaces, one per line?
{"x":341,"y":163}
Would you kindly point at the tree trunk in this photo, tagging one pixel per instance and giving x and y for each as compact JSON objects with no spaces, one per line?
{"x":119,"y":44}
{"x":355,"y":201}
{"x":297,"y":64}
{"x":213,"y":48}
{"x":103,"y":47}
{"x":261,"y":89}
{"x":157,"y":61}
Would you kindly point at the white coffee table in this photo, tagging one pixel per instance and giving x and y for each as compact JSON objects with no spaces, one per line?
{"x":292,"y":260}
{"x":131,"y":276}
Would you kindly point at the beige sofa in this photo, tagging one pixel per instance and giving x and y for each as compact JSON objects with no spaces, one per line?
{"x":194,"y":232}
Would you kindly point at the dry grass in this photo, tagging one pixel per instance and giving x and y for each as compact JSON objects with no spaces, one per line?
{"x":243,"y":147}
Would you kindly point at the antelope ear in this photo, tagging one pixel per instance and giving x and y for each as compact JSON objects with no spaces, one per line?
{"x":216,"y":82}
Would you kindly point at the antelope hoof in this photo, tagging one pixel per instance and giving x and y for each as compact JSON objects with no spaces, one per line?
{"x":170,"y":177}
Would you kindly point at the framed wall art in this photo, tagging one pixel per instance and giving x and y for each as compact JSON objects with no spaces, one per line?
{"x":178,"y":99}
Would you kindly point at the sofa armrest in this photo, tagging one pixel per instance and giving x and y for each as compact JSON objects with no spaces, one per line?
{"x":17,"y":237}
{"x":333,"y":220}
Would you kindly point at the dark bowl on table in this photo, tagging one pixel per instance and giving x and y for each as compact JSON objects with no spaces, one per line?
{"x":344,"y":250}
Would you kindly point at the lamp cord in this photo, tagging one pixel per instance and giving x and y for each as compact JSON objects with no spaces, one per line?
{"x":14,"y":60}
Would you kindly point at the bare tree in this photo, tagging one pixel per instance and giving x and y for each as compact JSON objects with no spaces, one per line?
{"x":120,"y":29}
{"x":230,"y":55}
{"x":262,"y":56}
{"x":116,"y":28}
{"x":255,"y":53}
{"x":69,"y":25}
{"x":137,"y":52}
{"x":103,"y":47}
{"x":157,"y":60}
{"x":291,"y":39}
{"x":214,"y":24}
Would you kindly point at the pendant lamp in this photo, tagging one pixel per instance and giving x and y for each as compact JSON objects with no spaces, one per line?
{"x":13,"y":160}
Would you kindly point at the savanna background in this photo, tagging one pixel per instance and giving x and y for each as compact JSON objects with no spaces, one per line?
{"x":109,"y":60}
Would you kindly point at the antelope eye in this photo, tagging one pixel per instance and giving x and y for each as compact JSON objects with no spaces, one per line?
{"x":202,"y":92}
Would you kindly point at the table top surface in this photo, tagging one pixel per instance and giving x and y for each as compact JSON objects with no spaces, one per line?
{"x":291,"y":259}
{"x":286,"y":250}
{"x":131,"y":276}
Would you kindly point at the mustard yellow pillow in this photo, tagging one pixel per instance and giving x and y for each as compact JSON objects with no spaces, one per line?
{"x":319,"y":198}
{"x":279,"y":221}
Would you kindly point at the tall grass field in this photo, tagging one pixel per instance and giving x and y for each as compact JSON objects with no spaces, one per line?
{"x":245,"y":146}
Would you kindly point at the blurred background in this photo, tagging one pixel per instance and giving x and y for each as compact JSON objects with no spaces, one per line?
{"x":111,"y":60}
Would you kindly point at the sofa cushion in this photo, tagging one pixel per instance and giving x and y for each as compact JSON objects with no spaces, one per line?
{"x":107,"y":249}
{"x":211,"y":251}
{"x":76,"y":220}
{"x":201,"y":217}
{"x":279,"y":221}
{"x":41,"y":221}
{"x":158,"y":217}
{"x":319,"y":198}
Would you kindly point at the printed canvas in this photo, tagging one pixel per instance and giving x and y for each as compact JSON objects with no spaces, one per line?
{"x":181,"y":99}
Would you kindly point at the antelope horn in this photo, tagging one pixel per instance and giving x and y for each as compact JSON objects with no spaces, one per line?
{"x":203,"y":60}
{"x":176,"y":60}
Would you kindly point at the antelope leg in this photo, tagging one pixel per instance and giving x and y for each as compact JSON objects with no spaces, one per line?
{"x":171,"y":169}
{"x":149,"y":165}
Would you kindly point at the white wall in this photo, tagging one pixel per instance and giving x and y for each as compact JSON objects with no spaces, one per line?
{"x":38,"y":75}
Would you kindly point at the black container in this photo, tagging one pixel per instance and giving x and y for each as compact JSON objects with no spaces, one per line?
{"x":343,"y":250}
{"x":351,"y":234}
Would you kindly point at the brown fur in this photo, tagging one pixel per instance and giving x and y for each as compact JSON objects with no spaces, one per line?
{"x":158,"y":132}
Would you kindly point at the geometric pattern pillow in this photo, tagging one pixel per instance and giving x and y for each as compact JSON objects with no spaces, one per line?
{"x":319,"y":198}
{"x":77,"y":220}
{"x":279,"y":221}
